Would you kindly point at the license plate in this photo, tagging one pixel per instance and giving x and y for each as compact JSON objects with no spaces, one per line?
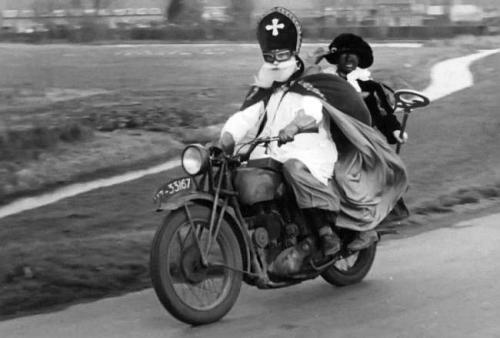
{"x":179,"y":185}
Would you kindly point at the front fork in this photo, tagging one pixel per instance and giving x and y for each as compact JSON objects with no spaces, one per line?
{"x":228,"y":196}
{"x":204,"y":251}
{"x":216,"y":219}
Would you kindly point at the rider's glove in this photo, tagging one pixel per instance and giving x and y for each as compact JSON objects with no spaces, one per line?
{"x":397,"y":136}
{"x":287,"y":134}
{"x":226,"y":143}
{"x":302,"y":123}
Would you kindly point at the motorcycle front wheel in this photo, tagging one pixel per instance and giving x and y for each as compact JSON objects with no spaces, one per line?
{"x":351,"y":269}
{"x":191,"y":292}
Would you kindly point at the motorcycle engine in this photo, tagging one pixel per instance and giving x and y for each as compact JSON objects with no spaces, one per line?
{"x":268,"y":228}
{"x":271,"y":234}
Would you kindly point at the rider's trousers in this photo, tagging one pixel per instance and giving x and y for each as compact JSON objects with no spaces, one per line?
{"x":309,"y":191}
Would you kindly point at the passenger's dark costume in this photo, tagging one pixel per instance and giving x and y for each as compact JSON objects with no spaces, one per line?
{"x":380,"y":107}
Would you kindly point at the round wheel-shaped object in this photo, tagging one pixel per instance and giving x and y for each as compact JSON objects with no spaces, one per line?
{"x":410,"y":99}
{"x":351,"y":269}
{"x":192,"y":292}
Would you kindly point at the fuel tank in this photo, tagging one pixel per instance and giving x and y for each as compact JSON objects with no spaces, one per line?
{"x":259,"y":181}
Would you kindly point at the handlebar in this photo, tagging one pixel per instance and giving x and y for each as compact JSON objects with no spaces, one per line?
{"x":254,"y":143}
{"x":217,"y":152}
{"x":260,"y":140}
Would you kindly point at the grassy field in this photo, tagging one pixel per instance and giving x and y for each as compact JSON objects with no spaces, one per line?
{"x":72,"y":112}
{"x":97,"y":244}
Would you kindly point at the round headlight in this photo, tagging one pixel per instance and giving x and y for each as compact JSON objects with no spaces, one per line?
{"x":194,"y":159}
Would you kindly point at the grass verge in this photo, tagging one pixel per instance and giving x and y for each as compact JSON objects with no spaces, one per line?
{"x":43,"y":123}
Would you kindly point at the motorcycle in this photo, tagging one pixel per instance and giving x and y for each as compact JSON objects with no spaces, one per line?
{"x":232,"y":220}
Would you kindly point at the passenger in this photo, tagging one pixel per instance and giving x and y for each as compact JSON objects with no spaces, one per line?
{"x":351,"y":56}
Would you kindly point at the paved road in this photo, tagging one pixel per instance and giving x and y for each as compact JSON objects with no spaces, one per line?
{"x":443,"y":283}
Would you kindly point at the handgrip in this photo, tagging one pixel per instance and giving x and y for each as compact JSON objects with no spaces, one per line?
{"x":403,"y":127}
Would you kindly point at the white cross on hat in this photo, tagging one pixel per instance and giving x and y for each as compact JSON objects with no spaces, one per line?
{"x":275,"y":26}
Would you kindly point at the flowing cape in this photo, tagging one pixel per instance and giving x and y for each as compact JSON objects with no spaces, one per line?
{"x":369,"y":176}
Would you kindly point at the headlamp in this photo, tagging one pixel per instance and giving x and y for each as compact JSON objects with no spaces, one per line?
{"x":195,"y":159}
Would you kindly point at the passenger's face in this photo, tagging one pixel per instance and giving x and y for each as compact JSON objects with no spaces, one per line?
{"x":347,"y":62}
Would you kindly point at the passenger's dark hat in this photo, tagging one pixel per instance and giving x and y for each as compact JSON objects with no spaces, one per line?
{"x":279,"y":29}
{"x":350,"y":43}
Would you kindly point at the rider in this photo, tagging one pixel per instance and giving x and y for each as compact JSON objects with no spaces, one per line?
{"x":271,"y":109}
{"x":351,"y":55}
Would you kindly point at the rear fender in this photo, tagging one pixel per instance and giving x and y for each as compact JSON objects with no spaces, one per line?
{"x":207,"y":200}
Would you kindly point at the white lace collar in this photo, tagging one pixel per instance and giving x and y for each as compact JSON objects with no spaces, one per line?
{"x":352,"y":77}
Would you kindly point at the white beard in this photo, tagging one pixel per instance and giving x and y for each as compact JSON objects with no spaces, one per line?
{"x":270,"y":73}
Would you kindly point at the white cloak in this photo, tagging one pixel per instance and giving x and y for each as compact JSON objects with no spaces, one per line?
{"x":316,"y":150}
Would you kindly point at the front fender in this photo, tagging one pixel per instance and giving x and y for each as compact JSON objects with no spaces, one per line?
{"x":207,"y":200}
{"x":192,"y":197}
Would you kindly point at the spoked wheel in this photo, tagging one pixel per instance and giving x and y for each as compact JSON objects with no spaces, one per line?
{"x":191,"y":292}
{"x":351,"y":269}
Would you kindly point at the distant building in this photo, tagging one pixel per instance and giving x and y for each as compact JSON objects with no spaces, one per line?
{"x":25,"y":15}
{"x":28,"y":15}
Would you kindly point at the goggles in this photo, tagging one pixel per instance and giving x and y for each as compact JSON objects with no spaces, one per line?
{"x":278,"y":55}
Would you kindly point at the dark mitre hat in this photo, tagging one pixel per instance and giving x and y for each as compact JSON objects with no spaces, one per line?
{"x":279,"y":29}
{"x":350,"y":43}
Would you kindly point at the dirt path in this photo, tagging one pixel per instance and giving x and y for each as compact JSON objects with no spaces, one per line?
{"x":447,"y":77}
{"x":452,"y":75}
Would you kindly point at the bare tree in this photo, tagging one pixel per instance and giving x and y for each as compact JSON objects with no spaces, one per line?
{"x":76,"y":4}
{"x":100,"y":4}
{"x":241,"y":11}
{"x":183,"y":11}
{"x":174,"y":9}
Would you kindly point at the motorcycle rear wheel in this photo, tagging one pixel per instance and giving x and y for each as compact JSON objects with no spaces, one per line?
{"x":190,"y":292}
{"x":352,"y":269}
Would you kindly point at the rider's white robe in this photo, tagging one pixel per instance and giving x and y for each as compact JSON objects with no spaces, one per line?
{"x":316,"y":150}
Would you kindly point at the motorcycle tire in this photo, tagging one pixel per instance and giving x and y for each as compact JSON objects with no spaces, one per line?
{"x":355,"y":274}
{"x":168,"y":271}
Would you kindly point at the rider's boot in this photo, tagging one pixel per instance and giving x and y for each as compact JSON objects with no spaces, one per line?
{"x":363,"y":240}
{"x":323,"y":220}
{"x":330,"y":242}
